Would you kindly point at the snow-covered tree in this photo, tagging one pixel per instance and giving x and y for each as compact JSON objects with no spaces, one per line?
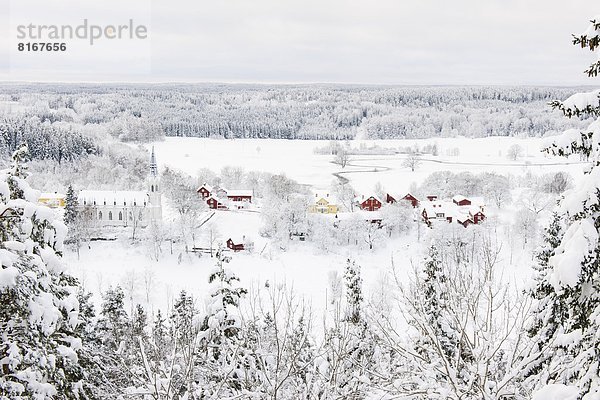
{"x":220,"y":369}
{"x":40,"y":311}
{"x":469,"y":340}
{"x":350,"y":349}
{"x":354,"y":296}
{"x":71,"y":205}
{"x":567,"y":322}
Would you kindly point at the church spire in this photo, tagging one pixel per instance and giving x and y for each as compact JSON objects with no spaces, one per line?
{"x":153,"y":166}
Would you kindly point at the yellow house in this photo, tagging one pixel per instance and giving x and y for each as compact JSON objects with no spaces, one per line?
{"x":323,"y":205}
{"x":52,"y":200}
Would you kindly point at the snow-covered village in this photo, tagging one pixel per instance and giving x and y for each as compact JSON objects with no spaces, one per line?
{"x":227,"y":226}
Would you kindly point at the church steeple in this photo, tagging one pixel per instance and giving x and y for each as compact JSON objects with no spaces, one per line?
{"x":153,"y":166}
{"x":153,"y":181}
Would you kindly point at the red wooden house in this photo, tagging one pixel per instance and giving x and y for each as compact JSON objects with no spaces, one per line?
{"x":461,"y":200}
{"x":408,"y":197}
{"x":477,"y":216}
{"x":205,"y":191}
{"x":432,"y":197}
{"x":239,"y":195}
{"x":215,"y":204}
{"x":371,"y":204}
{"x":412,"y":199}
{"x":235,"y":245}
{"x":464,"y":221}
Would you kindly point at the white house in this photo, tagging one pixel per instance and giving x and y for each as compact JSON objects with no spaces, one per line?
{"x":125,"y":207}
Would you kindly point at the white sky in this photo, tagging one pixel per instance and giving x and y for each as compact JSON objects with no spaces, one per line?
{"x":505,"y":42}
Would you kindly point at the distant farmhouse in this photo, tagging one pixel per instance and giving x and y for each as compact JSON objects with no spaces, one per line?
{"x":371,"y":203}
{"x":323,"y":204}
{"x":52,"y":200}
{"x":461,"y":210}
{"x":391,"y":199}
{"x":223,"y":199}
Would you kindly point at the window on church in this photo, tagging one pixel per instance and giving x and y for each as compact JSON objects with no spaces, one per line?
{"x":104,"y":202}
{"x":115,"y":203}
{"x":134,"y":203}
{"x":120,"y":216}
{"x":110,"y":215}
{"x":100,"y":215}
{"x":130,"y":216}
{"x":152,"y":188}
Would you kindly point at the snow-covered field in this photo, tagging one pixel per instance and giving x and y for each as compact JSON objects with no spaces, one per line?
{"x":302,"y":266}
{"x":296,"y":159}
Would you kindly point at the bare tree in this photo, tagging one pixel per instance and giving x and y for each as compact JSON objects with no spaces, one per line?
{"x":469,"y":338}
{"x":344,"y":193}
{"x":81,"y":229}
{"x":136,"y":217}
{"x":342,"y":157}
{"x":156,"y":235}
{"x":412,"y":161}
{"x":284,"y":352}
{"x":514,"y":152}
{"x":213,"y":237}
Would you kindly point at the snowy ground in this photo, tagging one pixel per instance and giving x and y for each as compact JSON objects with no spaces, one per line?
{"x":156,"y":283}
{"x":302,"y":266}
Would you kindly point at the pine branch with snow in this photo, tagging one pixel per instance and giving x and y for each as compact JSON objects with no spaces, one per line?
{"x":567,"y":322}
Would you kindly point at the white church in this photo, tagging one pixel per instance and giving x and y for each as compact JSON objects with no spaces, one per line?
{"x":125,"y":207}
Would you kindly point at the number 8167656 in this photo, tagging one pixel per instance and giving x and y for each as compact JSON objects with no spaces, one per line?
{"x":41,"y":46}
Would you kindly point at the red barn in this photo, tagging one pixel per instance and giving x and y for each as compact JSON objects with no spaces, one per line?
{"x":204,"y":191}
{"x":477,"y":216}
{"x":235,"y":246}
{"x":371,"y":204}
{"x":461,"y":200}
{"x":432,"y":197}
{"x":389,"y":199}
{"x":412,"y":199}
{"x":240,"y":195}
{"x":215,"y":204}
{"x":464,"y":221}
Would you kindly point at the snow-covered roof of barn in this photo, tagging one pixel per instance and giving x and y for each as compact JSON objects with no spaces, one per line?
{"x":239,"y":192}
{"x":477,"y":201}
{"x":206,"y":186}
{"x":121,"y":197}
{"x":459,"y":198}
{"x":217,"y":198}
{"x":438,"y":206}
{"x":238,"y":239}
{"x":363,"y":198}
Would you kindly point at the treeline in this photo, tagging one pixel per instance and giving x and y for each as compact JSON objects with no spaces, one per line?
{"x":138,"y":113}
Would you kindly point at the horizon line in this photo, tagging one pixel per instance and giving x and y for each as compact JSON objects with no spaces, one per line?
{"x":289,"y":83}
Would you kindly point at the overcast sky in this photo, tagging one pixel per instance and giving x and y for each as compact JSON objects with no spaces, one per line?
{"x":418,"y":42}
